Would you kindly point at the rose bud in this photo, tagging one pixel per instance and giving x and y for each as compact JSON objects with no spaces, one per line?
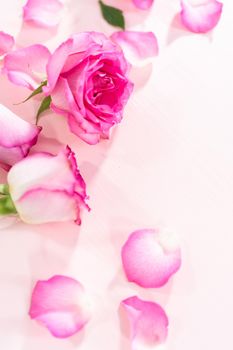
{"x":47,"y":188}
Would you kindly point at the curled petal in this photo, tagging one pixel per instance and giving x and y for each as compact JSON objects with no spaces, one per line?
{"x":200,"y":17}
{"x":43,"y":13}
{"x":148,"y":323}
{"x":27,"y":66}
{"x":60,"y":305}
{"x":150,"y":257}
{"x":6,"y":43}
{"x":137,"y":46}
{"x":143,"y":4}
{"x":16,"y":137}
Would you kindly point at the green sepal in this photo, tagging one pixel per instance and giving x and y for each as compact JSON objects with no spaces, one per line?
{"x":45,"y":104}
{"x":4,"y":189}
{"x":37,"y":91}
{"x":7,"y":206}
{"x":112,"y":15}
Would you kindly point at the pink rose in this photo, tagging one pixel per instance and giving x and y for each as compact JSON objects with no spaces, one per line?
{"x":46,"y":188}
{"x":88,"y":83}
{"x":16,"y":137}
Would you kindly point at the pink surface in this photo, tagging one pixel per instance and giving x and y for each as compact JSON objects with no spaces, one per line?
{"x":169,"y":163}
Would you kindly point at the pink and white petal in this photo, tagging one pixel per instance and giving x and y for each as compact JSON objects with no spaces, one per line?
{"x":201,"y":16}
{"x":137,"y":46}
{"x":148,"y":323}
{"x":143,"y":4}
{"x":6,"y":43}
{"x":151,"y":257}
{"x":60,"y":206}
{"x":43,"y":13}
{"x":14,"y":131}
{"x":27,"y":66}
{"x":10,"y":156}
{"x":45,"y":171}
{"x":60,"y":304}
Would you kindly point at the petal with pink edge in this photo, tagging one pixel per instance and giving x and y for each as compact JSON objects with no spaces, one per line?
{"x":6,"y":43}
{"x":16,"y":137}
{"x":27,"y":67}
{"x":151,"y":257}
{"x":43,"y":13}
{"x":137,"y":46}
{"x":143,"y":4}
{"x":148,"y":323}
{"x":201,"y":16}
{"x":60,"y":305}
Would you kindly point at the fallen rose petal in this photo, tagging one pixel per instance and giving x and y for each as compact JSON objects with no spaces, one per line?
{"x":202,"y":16}
{"x":60,"y":305}
{"x":137,"y":46}
{"x":27,"y":67}
{"x":143,"y":4}
{"x":45,"y":181}
{"x":150,"y":257}
{"x":148,"y":323}
{"x":6,"y":43}
{"x":44,"y":13}
{"x":16,"y":137}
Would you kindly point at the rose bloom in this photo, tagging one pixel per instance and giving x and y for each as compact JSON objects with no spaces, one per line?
{"x":47,"y":188}
{"x":88,"y":83}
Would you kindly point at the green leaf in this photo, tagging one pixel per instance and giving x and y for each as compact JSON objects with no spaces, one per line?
{"x":7,"y":206}
{"x":112,"y":15}
{"x":45,"y":104}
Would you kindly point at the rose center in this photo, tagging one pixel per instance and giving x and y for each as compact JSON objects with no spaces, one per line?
{"x":102,"y":82}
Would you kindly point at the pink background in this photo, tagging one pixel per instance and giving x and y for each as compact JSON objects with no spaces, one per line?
{"x":168,"y":164}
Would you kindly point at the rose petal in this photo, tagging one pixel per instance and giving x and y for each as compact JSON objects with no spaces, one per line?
{"x":62,"y":206}
{"x":59,"y":304}
{"x":143,"y":4}
{"x":44,"y":13}
{"x":27,"y":66}
{"x":137,"y":46}
{"x":6,"y":43}
{"x":148,"y":323}
{"x":150,"y":258}
{"x":202,"y":16}
{"x":16,"y":137}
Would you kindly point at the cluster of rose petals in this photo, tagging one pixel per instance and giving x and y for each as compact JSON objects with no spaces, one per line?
{"x":151,"y":257}
{"x":148,"y":323}
{"x":46,"y":188}
{"x":143,"y":4}
{"x":6,"y":43}
{"x":88,"y":83}
{"x":16,"y":137}
{"x":60,"y":305}
{"x":27,"y":66}
{"x":200,"y":16}
{"x":43,"y":13}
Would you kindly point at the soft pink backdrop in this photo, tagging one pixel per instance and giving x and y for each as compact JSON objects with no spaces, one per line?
{"x":169,"y":163}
